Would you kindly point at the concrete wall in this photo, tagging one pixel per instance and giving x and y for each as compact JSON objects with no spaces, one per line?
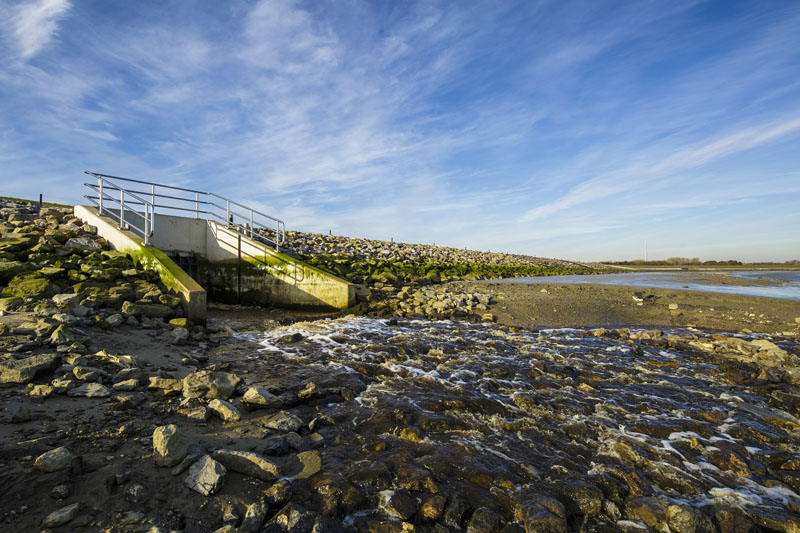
{"x":179,"y":233}
{"x":268,"y":276}
{"x":265,"y":276}
{"x":193,"y":296}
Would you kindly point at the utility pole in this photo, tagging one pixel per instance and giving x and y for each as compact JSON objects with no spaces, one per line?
{"x":645,"y":251}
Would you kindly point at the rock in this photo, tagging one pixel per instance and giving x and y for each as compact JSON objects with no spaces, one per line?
{"x":280,"y":492}
{"x":399,"y":504}
{"x":253,"y":518}
{"x":84,"y":243}
{"x":205,"y":476}
{"x":312,"y":463}
{"x":62,"y":516}
{"x":542,"y":514}
{"x":29,"y":285}
{"x":147,"y":310}
{"x":90,"y":390}
{"x":483,"y":520}
{"x":165,"y":384}
{"x":170,"y":446}
{"x":283,"y":421}
{"x":21,"y":415}
{"x":126,"y":385}
{"x":261,"y":397}
{"x":292,"y":519}
{"x":61,"y":492}
{"x":433,"y":506}
{"x":224,"y":410}
{"x":310,"y":391}
{"x":650,"y":510}
{"x":209,"y":384}
{"x":66,"y":299}
{"x":179,"y":336}
{"x":62,"y":335}
{"x":179,"y":322}
{"x":54,"y":460}
{"x":39,"y":391}
{"x":673,"y":307}
{"x":115,"y":320}
{"x":248,"y":463}
{"x":24,"y":370}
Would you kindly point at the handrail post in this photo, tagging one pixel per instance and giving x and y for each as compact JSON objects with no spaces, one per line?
{"x":153,"y":197}
{"x":197,"y":205}
{"x":100,"y":195}
{"x":121,"y":208}
{"x":251,"y":223}
{"x":228,"y":213}
{"x":146,"y":225}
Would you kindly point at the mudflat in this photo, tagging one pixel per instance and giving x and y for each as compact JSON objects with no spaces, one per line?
{"x":563,"y":305}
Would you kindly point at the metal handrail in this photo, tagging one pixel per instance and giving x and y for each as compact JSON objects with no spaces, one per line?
{"x":250,"y":225}
{"x":147,"y":217}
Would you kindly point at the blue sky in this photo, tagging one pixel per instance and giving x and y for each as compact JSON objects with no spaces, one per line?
{"x":573,"y":129}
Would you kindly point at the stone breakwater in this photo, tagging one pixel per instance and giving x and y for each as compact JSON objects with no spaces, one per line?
{"x":313,"y":244}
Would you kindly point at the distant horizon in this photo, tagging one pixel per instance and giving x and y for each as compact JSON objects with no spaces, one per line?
{"x":575,"y":130}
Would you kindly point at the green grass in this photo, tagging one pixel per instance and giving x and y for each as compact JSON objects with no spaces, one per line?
{"x":22,"y":200}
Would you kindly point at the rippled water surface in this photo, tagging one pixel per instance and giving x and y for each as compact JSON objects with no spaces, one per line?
{"x":498,"y":414}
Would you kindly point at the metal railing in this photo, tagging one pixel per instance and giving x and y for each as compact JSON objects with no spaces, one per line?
{"x":245,"y":220}
{"x":145,"y":214}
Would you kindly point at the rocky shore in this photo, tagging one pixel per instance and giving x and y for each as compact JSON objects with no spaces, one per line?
{"x":454,"y":411}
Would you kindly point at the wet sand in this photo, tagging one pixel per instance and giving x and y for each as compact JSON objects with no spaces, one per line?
{"x":563,"y":305}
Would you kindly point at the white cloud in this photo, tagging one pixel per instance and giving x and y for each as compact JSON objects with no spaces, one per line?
{"x":36,"y":23}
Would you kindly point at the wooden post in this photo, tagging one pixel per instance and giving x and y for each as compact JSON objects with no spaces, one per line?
{"x":239,"y":271}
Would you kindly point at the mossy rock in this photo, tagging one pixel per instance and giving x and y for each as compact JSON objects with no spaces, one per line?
{"x":10,"y":304}
{"x":30,"y":285}
{"x":52,"y":272}
{"x":10,"y":269}
{"x":60,"y":235}
{"x":148,"y":310}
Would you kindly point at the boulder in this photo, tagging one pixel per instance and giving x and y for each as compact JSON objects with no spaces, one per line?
{"x":24,"y":370}
{"x":312,"y":463}
{"x":253,"y":518}
{"x":170,"y":446}
{"x":147,"y":310}
{"x":210,"y":384}
{"x":54,"y":460}
{"x":84,"y":243}
{"x":248,"y":463}
{"x":90,"y":390}
{"x":30,"y":285}
{"x":62,"y":516}
{"x":283,"y":421}
{"x":205,"y":476}
{"x":61,"y":335}
{"x":224,"y":410}
{"x":261,"y":397}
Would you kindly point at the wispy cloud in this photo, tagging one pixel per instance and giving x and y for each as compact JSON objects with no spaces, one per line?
{"x":532,"y":126}
{"x":35,"y":24}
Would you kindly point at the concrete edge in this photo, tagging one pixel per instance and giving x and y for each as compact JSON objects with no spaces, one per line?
{"x":192,"y":295}
{"x":279,"y":258}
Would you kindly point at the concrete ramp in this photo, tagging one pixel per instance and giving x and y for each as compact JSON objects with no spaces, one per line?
{"x":232,"y":267}
{"x":192,"y":295}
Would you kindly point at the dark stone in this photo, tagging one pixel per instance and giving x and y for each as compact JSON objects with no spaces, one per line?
{"x":401,"y":505}
{"x":456,"y":511}
{"x":484,"y":520}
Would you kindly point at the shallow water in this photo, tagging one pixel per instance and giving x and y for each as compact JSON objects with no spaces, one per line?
{"x":497,"y":414}
{"x":772,"y":284}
